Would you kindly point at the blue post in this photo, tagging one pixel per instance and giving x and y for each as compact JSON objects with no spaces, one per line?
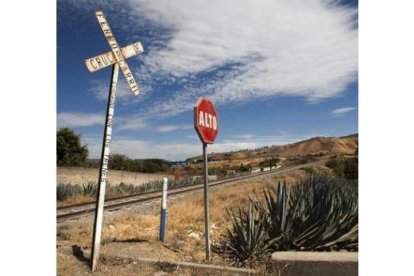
{"x":163,"y":209}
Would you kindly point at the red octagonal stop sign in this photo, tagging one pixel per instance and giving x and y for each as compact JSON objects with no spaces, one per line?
{"x":205,"y":120}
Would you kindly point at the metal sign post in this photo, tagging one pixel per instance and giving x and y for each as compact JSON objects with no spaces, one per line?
{"x":206,"y":214}
{"x":206,"y":126}
{"x":116,"y":58}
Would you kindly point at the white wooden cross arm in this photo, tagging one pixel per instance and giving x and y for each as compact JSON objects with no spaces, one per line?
{"x":104,"y":60}
{"x":118,"y":55}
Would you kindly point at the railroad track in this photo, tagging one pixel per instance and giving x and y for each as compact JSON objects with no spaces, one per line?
{"x":85,"y":209}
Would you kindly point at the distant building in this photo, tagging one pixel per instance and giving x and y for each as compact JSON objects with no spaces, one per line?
{"x":256,"y":170}
{"x":211,"y":177}
{"x":230,"y":172}
{"x":178,"y":163}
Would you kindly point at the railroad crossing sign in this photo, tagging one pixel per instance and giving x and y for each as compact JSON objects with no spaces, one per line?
{"x":206,"y":126}
{"x":104,"y":60}
{"x":116,"y":57}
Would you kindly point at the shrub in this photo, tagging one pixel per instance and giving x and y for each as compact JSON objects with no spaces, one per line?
{"x":89,"y":189}
{"x":65,"y":191}
{"x":69,"y":151}
{"x":317,"y":214}
{"x":351,"y":171}
{"x":269,"y":162}
{"x":346,"y":168}
{"x":248,"y":239}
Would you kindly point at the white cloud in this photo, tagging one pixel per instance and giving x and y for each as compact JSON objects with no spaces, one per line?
{"x":235,"y":51}
{"x":341,"y":111}
{"x":168,"y":128}
{"x":178,"y":151}
{"x":133,"y":122}
{"x":73,"y":119}
{"x":243,"y":136}
{"x":296,"y":47}
{"x":100,"y":89}
{"x":143,"y":149}
{"x":130,"y":123}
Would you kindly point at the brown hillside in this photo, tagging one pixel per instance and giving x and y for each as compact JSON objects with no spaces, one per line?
{"x":317,"y":145}
{"x":346,"y":145}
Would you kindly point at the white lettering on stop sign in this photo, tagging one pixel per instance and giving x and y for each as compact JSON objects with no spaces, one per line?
{"x":207,"y":120}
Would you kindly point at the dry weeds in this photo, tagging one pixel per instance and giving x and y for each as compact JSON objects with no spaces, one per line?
{"x":81,"y":176}
{"x":185,"y":220}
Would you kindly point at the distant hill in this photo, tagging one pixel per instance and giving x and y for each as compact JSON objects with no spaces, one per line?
{"x":355,"y":135}
{"x":346,"y":145}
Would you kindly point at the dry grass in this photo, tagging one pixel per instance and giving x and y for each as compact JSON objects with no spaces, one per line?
{"x":185,"y":220}
{"x":80,"y":176}
{"x":75,"y":200}
{"x":86,"y":198}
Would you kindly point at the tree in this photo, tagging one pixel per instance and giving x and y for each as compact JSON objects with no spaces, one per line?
{"x":70,"y":152}
{"x":351,"y":169}
{"x":269,"y":162}
{"x":118,"y":162}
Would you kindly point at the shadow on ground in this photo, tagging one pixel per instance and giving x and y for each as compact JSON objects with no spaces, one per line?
{"x":78,"y":253}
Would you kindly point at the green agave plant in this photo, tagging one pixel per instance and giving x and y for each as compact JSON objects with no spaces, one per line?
{"x":317,"y":214}
{"x":248,"y":239}
{"x":64,"y":191}
{"x":321,"y":213}
{"x":89,"y":189}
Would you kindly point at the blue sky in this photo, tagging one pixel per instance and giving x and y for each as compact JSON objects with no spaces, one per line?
{"x":277,"y":71}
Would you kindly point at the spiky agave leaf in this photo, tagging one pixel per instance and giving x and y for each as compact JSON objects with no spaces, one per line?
{"x":247,"y":238}
{"x":320,"y":211}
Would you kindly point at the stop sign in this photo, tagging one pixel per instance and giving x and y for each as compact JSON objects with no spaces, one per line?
{"x":205,"y":120}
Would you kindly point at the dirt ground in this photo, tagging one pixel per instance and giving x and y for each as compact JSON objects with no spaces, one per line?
{"x":78,"y":175}
{"x":73,"y":261}
{"x":133,"y":232}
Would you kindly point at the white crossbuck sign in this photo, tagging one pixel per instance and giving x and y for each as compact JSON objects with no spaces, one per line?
{"x":117,"y":58}
{"x":117,"y":55}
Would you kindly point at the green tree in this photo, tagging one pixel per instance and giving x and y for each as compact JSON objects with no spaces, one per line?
{"x":269,"y":162}
{"x":351,"y":170}
{"x":70,"y":152}
{"x":118,"y":162}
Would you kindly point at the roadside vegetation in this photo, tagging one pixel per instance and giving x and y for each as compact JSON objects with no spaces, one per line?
{"x":291,"y":212}
{"x":70,"y":194}
{"x":124,"y":163}
{"x":185,"y":222}
{"x":319,"y":213}
{"x":69,"y":151}
{"x":345,"y":168}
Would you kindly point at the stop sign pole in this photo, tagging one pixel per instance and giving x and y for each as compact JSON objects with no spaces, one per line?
{"x":206,"y":126}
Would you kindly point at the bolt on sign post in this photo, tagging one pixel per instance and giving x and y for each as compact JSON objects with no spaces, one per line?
{"x":163,"y":209}
{"x":116,"y":57}
{"x":206,"y":126}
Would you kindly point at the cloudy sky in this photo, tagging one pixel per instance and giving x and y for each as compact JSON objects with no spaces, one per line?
{"x":278,"y":72}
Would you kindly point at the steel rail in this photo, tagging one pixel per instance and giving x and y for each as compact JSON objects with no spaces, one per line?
{"x":84,"y":209}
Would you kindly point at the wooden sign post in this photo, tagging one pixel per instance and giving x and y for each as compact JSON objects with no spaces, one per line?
{"x":116,"y":58}
{"x":206,"y":126}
